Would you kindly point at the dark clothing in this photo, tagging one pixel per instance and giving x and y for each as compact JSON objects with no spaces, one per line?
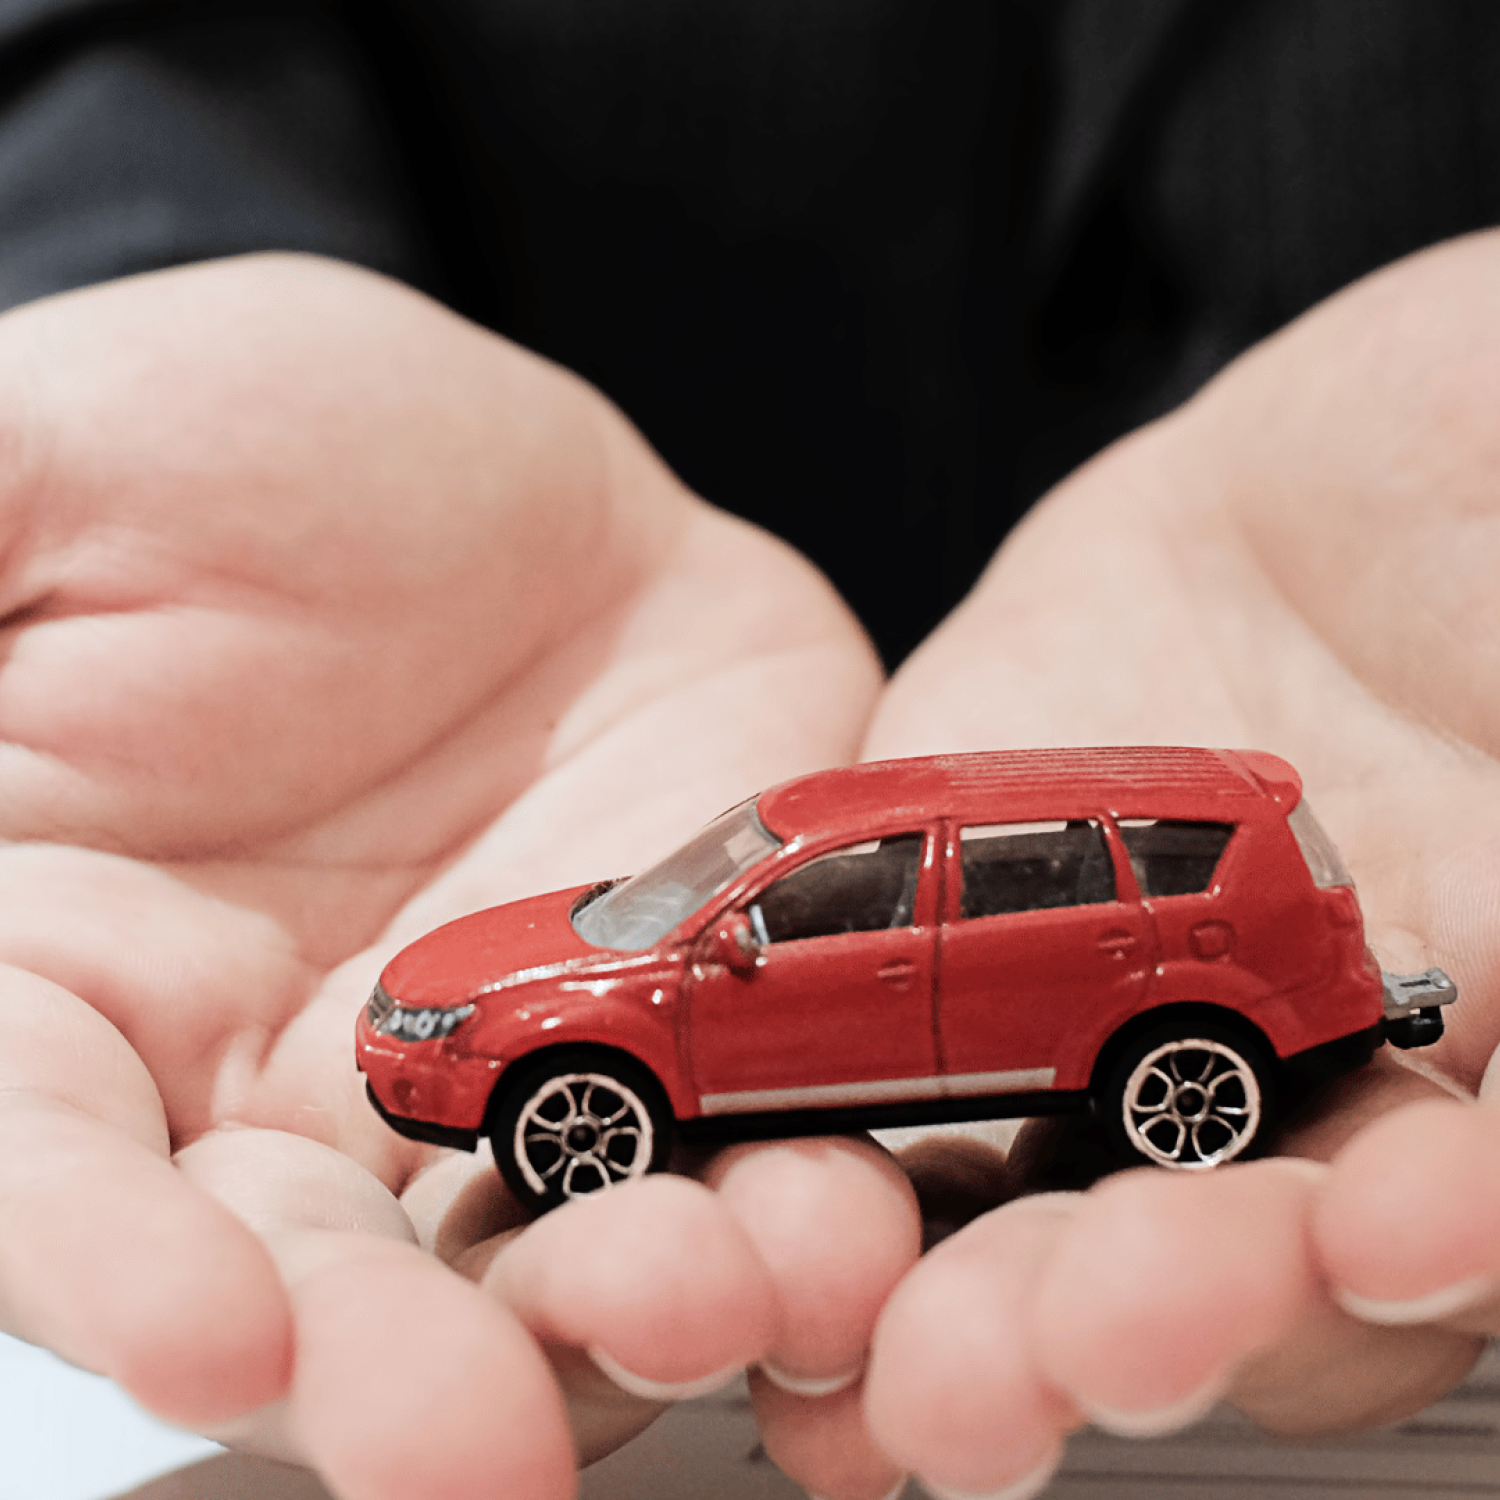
{"x":871,"y":272}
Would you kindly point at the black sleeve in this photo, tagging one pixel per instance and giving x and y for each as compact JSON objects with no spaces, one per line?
{"x":873,"y":273}
{"x":137,"y":135}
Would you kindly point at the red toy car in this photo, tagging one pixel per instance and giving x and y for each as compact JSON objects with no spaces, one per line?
{"x":1164,"y":935}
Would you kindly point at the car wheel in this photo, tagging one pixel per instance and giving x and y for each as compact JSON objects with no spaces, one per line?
{"x":579,"y":1124}
{"x":1190,"y":1098}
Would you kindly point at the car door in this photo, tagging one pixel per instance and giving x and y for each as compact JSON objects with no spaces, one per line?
{"x":1174,"y":861}
{"x":1040,"y":957}
{"x":837,"y":1010}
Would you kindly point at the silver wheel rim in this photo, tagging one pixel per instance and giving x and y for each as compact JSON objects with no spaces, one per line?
{"x":582,"y":1133}
{"x":1191,"y":1104}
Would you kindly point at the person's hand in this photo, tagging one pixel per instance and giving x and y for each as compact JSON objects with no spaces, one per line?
{"x":1304,"y":559}
{"x":327,"y":617}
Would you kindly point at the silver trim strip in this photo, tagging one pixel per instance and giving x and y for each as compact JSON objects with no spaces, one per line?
{"x":1016,"y":1081}
{"x":880,"y":1091}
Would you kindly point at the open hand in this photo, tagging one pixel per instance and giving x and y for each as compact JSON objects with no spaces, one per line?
{"x":327,"y":617}
{"x":1304,"y":560}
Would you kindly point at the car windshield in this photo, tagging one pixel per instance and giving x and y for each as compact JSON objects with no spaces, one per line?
{"x":644,"y":909}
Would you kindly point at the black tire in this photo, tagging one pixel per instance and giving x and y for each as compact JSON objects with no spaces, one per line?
{"x":577,"y":1123}
{"x":1190,"y":1096}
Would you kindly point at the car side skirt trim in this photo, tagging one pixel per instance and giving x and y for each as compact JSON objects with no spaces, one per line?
{"x":880,"y":1091}
{"x":841,"y":1120}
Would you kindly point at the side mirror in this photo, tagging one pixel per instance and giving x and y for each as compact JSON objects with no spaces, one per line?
{"x":733,"y":944}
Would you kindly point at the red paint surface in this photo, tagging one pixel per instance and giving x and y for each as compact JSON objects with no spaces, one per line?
{"x":1017,"y":991}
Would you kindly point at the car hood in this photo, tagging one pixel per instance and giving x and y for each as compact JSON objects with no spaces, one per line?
{"x":521,"y":940}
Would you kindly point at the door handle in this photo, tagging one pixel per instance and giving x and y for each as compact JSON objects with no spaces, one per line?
{"x":1118,"y":944}
{"x":898,"y":975}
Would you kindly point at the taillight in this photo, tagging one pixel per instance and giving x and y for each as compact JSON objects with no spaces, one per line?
{"x":1323,"y":863}
{"x":1342,"y":906}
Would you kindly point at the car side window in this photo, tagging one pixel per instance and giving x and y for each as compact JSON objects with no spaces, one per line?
{"x":1174,"y":856}
{"x":1010,"y":867}
{"x":860,"y":888}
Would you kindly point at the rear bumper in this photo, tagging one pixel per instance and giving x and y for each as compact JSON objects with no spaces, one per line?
{"x":1317,"y":1064}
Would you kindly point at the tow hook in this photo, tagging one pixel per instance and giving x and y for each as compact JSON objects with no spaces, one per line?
{"x":1413,"y":1014}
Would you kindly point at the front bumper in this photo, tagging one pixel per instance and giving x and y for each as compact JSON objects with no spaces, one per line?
{"x":429,"y":1091}
{"x":421,"y":1130}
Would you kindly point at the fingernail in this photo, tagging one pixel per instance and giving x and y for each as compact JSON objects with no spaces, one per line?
{"x":1442,"y":1303}
{"x":894,"y":1494}
{"x":1315,"y":1172}
{"x":1031,"y":1483}
{"x":811,"y":1385}
{"x":661,"y":1390}
{"x":1160,"y":1420}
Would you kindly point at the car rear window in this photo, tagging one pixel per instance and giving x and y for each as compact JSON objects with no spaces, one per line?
{"x":1174,"y":856}
{"x":1009,"y":867}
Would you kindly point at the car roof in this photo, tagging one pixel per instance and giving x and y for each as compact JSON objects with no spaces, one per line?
{"x":1032,"y":785}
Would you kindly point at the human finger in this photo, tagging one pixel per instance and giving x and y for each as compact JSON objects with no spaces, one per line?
{"x":1408,"y":1227}
{"x":954,"y":1391}
{"x":835,"y":1221}
{"x":837,"y":1225}
{"x":409,"y":1382}
{"x":1163,"y":1283}
{"x":1333,"y":1370}
{"x":655,"y":1282}
{"x":824,"y":1442}
{"x":108,"y":1256}
{"x":656,"y":1293}
{"x":1330,"y":1372}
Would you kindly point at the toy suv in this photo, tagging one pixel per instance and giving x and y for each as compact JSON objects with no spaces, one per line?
{"x":1164,"y":936}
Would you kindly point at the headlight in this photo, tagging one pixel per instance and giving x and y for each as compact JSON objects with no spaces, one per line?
{"x":378,"y":1006}
{"x":427,"y":1023}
